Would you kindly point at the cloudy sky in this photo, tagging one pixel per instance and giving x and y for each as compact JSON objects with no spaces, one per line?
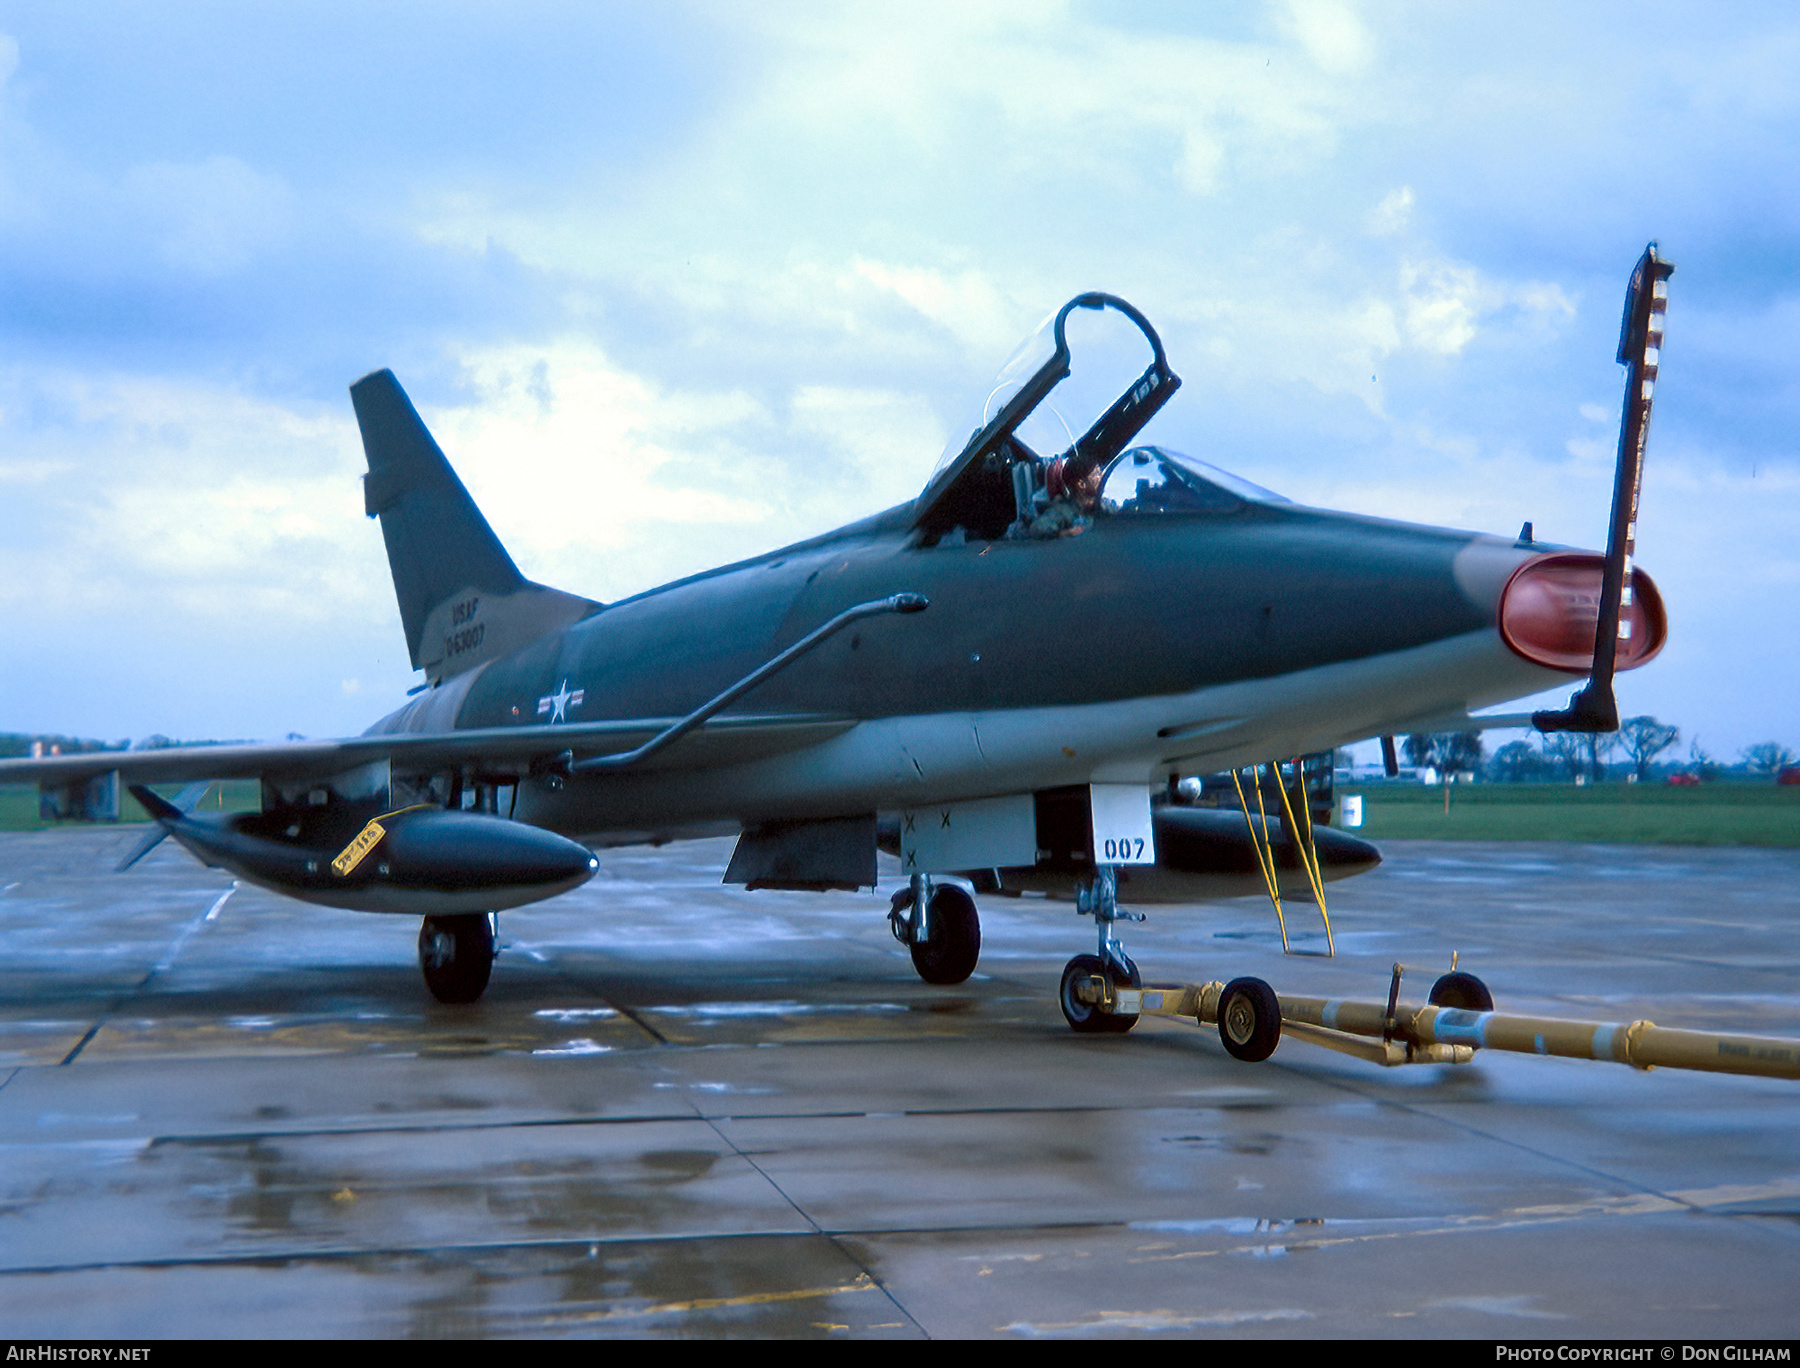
{"x":676,"y":284}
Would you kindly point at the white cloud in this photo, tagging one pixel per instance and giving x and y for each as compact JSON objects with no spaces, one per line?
{"x":1331,"y":34}
{"x":571,"y":457}
{"x":876,"y":435}
{"x":967,"y":303}
{"x":1443,"y":301}
{"x":1316,"y":313}
{"x":1393,"y":214}
{"x":1010,"y":121}
{"x":606,"y":484}
{"x":1446,"y":302}
{"x":1590,"y":452}
{"x":229,"y":505}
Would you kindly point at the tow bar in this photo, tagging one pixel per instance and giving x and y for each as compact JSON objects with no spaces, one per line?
{"x":1252,"y":1018}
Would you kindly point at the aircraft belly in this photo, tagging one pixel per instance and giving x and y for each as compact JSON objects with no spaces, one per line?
{"x":1333,"y":705}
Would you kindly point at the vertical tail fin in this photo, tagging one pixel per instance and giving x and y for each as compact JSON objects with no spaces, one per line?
{"x":462,"y":600}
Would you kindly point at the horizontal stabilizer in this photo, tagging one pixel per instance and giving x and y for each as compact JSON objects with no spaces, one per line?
{"x":164,"y":815}
{"x":160,"y":809}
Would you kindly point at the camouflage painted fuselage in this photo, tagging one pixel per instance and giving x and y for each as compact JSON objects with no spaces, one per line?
{"x":1150,"y":643}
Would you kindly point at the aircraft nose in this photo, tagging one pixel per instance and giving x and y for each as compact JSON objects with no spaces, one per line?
{"x":1550,"y":608}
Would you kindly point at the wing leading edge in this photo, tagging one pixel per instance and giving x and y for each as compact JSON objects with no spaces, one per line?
{"x":721,"y":741}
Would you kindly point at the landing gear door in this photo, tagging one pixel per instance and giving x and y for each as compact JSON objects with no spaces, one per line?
{"x":986,"y":833}
{"x":1122,"y":830}
{"x":1070,"y":830}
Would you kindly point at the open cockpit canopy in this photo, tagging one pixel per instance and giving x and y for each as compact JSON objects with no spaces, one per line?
{"x":1023,"y":470}
{"x":985,"y":481}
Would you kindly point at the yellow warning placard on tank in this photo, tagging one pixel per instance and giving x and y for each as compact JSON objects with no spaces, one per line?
{"x":366,"y":840}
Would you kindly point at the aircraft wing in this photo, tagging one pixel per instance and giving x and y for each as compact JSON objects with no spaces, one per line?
{"x":721,"y":740}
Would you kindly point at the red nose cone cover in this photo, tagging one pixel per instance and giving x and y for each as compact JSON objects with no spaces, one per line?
{"x":1551,"y":606}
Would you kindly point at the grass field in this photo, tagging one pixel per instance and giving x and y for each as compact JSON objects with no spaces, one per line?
{"x":1711,"y":814}
{"x":19,"y":806}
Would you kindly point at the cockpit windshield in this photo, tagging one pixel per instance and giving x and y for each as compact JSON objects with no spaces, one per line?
{"x":1025,"y":447}
{"x":1155,"y":480}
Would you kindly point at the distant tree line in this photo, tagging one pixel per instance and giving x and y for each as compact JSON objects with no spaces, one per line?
{"x":1568,"y":756}
{"x":20,"y":743}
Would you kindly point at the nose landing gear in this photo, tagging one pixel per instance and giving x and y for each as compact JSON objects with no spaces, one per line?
{"x":1099,"y":898}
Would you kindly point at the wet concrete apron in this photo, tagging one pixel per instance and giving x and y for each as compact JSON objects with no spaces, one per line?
{"x":682,"y":1109}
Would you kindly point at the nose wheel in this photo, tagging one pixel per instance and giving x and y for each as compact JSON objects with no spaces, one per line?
{"x":1088,"y":1017}
{"x":456,"y":955}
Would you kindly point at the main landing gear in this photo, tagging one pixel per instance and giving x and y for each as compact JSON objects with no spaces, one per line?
{"x":457,"y":955}
{"x":939,"y":924}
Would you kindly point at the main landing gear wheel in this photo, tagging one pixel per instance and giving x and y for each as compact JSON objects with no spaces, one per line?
{"x":457,"y":955}
{"x":953,"y":945}
{"x":1462,"y":990}
{"x":1087,"y":1017}
{"x":1249,"y":1019}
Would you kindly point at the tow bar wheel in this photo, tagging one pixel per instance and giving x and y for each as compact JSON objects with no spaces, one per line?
{"x":1249,"y":1019}
{"x":1462,"y":990}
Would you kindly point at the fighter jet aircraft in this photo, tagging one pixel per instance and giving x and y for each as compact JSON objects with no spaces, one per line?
{"x":1001,"y":672}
